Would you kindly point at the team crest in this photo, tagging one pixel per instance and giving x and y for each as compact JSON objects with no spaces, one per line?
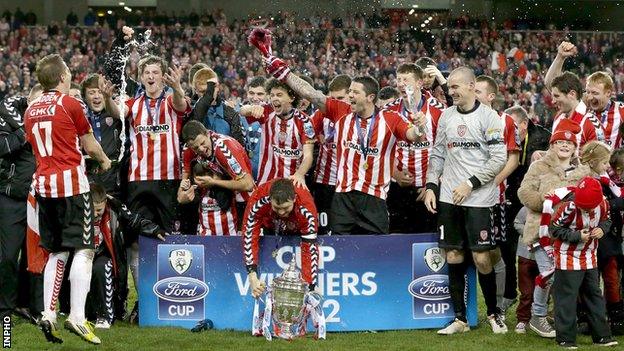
{"x":109,"y":121}
{"x":180,"y":260}
{"x":461,"y":130}
{"x":435,"y":258}
{"x":568,"y":135}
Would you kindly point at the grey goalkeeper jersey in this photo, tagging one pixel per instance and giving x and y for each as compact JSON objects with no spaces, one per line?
{"x":466,"y":145}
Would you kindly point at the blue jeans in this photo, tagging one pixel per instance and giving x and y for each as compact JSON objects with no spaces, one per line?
{"x":540,"y":295}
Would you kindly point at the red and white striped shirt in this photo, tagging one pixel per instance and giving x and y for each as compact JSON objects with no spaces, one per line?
{"x":512,"y":141}
{"x":281,"y":143}
{"x":325,"y":172}
{"x":230,"y":160}
{"x":414,"y":157}
{"x":213,"y":220}
{"x":580,"y":116}
{"x":578,"y":256}
{"x":611,"y":120}
{"x":367,"y":171}
{"x":53,"y":124}
{"x":302,"y":220}
{"x":154,"y":138}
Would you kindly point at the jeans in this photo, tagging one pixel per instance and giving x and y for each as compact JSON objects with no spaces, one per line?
{"x":540,"y":295}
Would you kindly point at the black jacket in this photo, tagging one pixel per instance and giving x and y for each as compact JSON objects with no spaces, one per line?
{"x":538,"y":138}
{"x":17,"y":162}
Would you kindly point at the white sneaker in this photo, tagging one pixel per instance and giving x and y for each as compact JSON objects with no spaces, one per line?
{"x":102,"y":323}
{"x":497,"y":324}
{"x":455,"y":327}
{"x":520,"y":328}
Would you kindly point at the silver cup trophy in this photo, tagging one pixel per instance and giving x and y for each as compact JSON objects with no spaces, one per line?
{"x":409,"y":91}
{"x":289,"y":291}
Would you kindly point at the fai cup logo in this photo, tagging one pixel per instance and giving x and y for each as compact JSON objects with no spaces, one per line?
{"x":180,"y":260}
{"x":435,"y":259}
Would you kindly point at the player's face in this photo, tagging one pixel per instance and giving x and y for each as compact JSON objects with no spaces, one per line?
{"x":358,"y":98}
{"x":461,"y":91}
{"x":564,"y":149}
{"x":152,"y":79}
{"x":564,"y":102}
{"x":281,"y":101}
{"x":597,"y":96}
{"x":282,"y":210}
{"x":98,"y":210}
{"x":201,"y":145}
{"x":522,"y":125}
{"x":94,"y":99}
{"x":256,"y":95}
{"x":407,"y":79}
{"x":483,"y":94}
{"x":341,"y":95}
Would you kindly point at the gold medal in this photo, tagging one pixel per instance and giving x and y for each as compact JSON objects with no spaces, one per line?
{"x":365,"y":166}
{"x":152,"y":136}
{"x":250,"y":153}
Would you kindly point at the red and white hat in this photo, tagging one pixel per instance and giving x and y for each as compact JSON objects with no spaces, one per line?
{"x":588,"y":194}
{"x":566,"y":130}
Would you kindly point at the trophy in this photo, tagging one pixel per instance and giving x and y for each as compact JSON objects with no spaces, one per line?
{"x":409,"y":91}
{"x":289,"y":292}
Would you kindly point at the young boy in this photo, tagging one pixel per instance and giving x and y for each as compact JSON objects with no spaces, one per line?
{"x":576,"y":228}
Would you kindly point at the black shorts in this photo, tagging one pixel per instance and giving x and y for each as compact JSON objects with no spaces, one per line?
{"x":358,"y":213}
{"x":66,"y":222}
{"x":463,"y":227}
{"x":406,"y":214}
{"x":155,"y":200}
{"x":323,"y":195}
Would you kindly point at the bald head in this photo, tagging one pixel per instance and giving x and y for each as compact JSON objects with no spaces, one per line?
{"x":461,"y":84}
{"x":464,"y":73}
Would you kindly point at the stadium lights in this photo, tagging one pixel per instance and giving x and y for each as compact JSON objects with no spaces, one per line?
{"x":411,"y":12}
{"x":121,"y":3}
{"x":127,"y":9}
{"x":109,"y":12}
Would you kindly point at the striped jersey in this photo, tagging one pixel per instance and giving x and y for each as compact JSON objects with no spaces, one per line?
{"x":579,"y":255}
{"x":611,"y":121}
{"x":512,"y":142}
{"x":302,"y":221}
{"x":365,"y":148}
{"x":584,"y":119}
{"x":213,"y":220}
{"x":413,"y":157}
{"x":53,"y":124}
{"x":326,"y":165}
{"x":154,"y":133}
{"x":281,"y":143}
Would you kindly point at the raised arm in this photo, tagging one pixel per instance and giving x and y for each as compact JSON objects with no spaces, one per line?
{"x":565,"y":50}
{"x":305,"y":90}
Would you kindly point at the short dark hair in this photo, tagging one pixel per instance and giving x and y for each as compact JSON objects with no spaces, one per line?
{"x":518,"y":111}
{"x":276,"y":84}
{"x":90,"y":81}
{"x":412,"y":68}
{"x":282,"y":190}
{"x":568,"y":82}
{"x":192,"y":129}
{"x":340,"y":82}
{"x":425,"y":61}
{"x":491,"y":83}
{"x":98,"y":192}
{"x":256,"y":82}
{"x":49,"y":71}
{"x":389,"y":92}
{"x":371,"y":86}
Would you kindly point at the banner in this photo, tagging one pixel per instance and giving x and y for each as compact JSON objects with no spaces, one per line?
{"x":368,"y":282}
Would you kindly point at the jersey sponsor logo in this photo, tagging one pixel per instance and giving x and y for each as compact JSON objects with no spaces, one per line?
{"x":210,"y":205}
{"x":286,"y":152}
{"x":414,"y":146}
{"x":463,"y":145}
{"x":42,"y":111}
{"x":461,"y":130}
{"x":374,"y":151}
{"x":156,"y":128}
{"x":235,"y":166}
{"x":46,"y":98}
{"x":494,"y":134}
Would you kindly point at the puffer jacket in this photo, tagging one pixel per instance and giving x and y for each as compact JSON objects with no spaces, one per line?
{"x":543,"y":176}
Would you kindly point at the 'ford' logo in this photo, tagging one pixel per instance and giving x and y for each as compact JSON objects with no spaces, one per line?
{"x":431,"y":287}
{"x":181,"y":289}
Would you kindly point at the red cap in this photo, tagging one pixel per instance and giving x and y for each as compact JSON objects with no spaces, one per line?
{"x":566,"y":130}
{"x":588,"y":194}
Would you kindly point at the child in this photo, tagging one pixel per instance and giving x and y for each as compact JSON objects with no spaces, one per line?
{"x":527,"y":272}
{"x":597,"y":155}
{"x":576,"y":228}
